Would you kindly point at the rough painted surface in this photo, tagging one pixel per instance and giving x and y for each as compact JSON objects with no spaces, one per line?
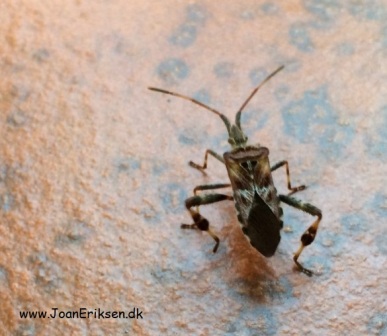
{"x":93,"y":166}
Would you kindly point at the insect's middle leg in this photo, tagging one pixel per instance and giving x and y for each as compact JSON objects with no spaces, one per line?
{"x":308,"y":236}
{"x":211,"y":186}
{"x":285,"y":163}
{"x":201,"y":223}
{"x":204,"y":166}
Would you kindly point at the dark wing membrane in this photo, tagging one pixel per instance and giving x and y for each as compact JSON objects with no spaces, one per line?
{"x":263,"y":227}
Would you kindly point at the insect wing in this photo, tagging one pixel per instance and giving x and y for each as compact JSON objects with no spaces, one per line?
{"x":263,"y":227}
{"x":255,"y":197}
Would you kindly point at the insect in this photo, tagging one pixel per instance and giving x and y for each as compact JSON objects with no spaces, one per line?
{"x":256,"y":199}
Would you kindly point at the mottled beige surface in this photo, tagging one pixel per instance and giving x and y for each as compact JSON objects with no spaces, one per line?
{"x":93,"y":166}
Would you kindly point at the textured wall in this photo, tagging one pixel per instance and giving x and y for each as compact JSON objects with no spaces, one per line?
{"x":94,"y":174}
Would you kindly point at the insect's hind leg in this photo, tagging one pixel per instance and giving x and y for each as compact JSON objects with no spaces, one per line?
{"x":200,"y":222}
{"x":308,"y":236}
{"x":204,"y":166}
{"x":292,"y":189}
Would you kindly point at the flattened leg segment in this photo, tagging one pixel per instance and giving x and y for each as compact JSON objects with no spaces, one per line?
{"x":204,"y":166}
{"x":200,"y":222}
{"x":285,"y":163}
{"x":308,"y":236}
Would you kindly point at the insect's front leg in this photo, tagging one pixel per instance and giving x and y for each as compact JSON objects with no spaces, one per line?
{"x":285,"y":163}
{"x":201,"y":223}
{"x":204,"y":166}
{"x":308,"y":236}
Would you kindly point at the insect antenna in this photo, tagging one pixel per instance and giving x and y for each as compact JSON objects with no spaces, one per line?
{"x":222,"y":116}
{"x":239,"y":113}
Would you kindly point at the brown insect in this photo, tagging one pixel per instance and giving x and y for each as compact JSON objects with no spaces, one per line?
{"x":255,"y":197}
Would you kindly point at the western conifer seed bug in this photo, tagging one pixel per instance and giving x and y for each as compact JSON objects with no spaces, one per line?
{"x":256,"y":199}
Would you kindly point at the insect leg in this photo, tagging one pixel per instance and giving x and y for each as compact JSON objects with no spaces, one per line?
{"x":285,"y":163}
{"x":211,"y":186}
{"x":202,"y":168}
{"x":201,"y":223}
{"x":309,"y":235}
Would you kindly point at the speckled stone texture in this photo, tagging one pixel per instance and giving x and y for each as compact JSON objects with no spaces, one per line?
{"x":94,"y":173}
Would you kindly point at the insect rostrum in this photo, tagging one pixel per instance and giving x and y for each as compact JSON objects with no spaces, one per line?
{"x":255,"y":197}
